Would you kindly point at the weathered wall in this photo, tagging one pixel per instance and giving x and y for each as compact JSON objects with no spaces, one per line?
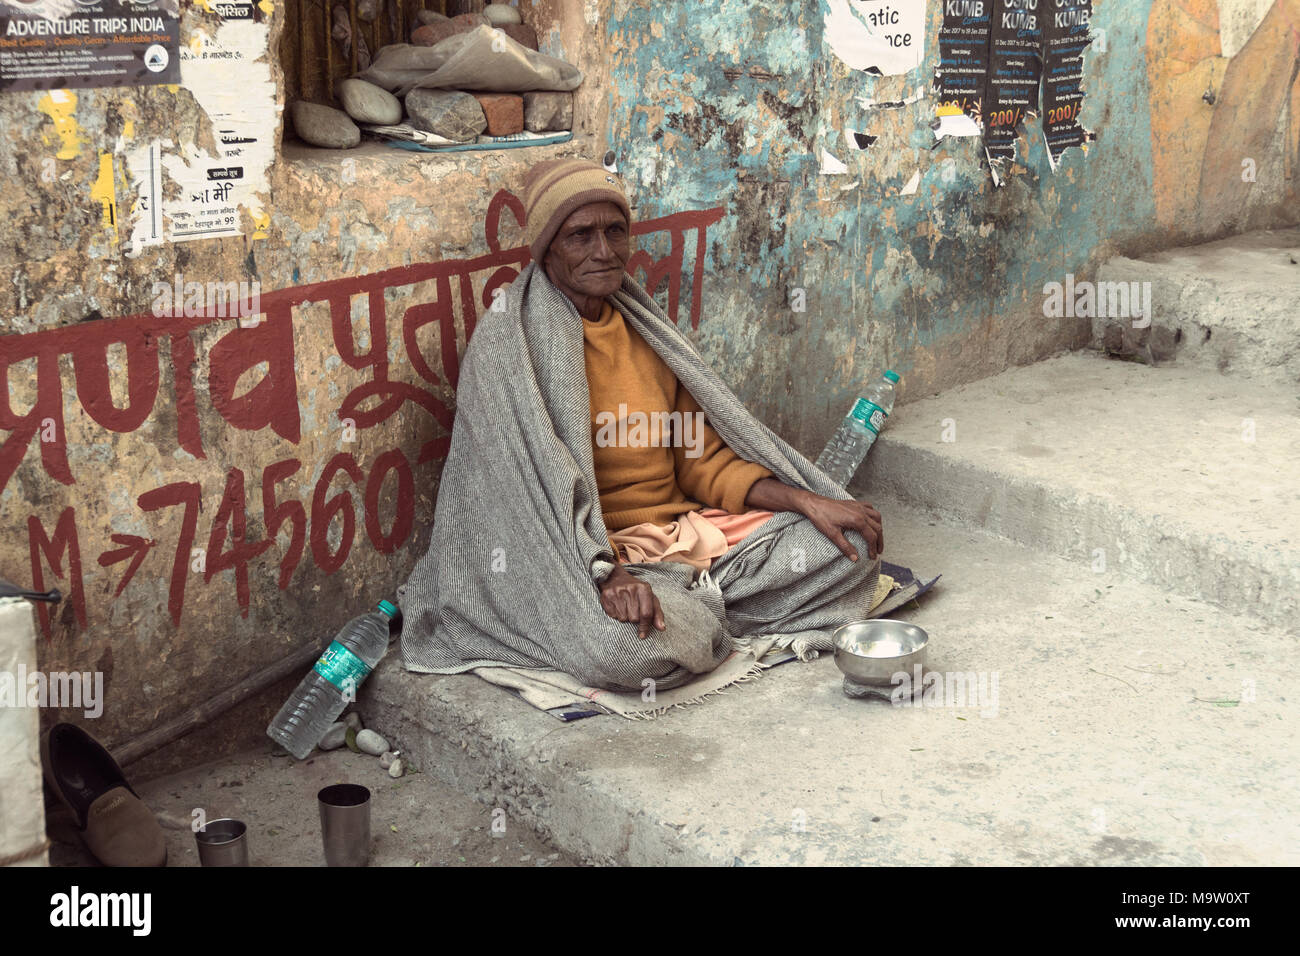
{"x":131,"y":441}
{"x":125,"y":433}
{"x":732,"y":103}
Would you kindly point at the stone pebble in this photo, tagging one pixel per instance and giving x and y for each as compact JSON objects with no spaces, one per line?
{"x":367,"y":103}
{"x":333,"y":738}
{"x":449,"y":113}
{"x":324,"y":126}
{"x":371,"y":743}
{"x":499,"y":14}
{"x":547,"y":111}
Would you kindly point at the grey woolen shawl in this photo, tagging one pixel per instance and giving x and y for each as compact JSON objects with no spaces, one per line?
{"x":519,"y":541}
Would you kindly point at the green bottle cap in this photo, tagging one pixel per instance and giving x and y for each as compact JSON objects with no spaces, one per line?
{"x":892,"y":376}
{"x":385,"y":607}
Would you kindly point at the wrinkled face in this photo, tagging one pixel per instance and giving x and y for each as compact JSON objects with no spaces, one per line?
{"x":589,"y":254}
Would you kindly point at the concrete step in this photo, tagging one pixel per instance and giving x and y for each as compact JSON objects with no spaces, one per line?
{"x":1181,"y":477}
{"x":1130,"y":727}
{"x":1230,"y":305}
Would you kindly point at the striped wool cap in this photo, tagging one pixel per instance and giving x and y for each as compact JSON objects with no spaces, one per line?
{"x":555,"y":188}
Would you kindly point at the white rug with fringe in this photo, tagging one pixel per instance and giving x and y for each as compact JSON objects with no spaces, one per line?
{"x":565,"y":697}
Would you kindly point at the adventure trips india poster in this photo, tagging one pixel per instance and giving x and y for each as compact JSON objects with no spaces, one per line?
{"x":66,"y":44}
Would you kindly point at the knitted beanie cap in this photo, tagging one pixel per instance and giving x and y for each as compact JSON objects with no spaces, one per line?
{"x":557,"y":187}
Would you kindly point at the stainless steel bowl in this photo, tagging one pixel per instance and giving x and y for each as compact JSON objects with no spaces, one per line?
{"x":872,"y":652}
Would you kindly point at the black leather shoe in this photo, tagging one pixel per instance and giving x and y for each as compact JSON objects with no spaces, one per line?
{"x":113,"y":821}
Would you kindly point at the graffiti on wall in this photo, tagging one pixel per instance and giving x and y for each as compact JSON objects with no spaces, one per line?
{"x":321,"y":523}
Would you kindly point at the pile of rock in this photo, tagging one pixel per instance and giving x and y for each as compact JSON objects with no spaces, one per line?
{"x":350,"y":733}
{"x":458,"y":116}
{"x":434,"y":27}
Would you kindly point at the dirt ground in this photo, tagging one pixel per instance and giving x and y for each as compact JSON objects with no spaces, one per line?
{"x":415,"y":820}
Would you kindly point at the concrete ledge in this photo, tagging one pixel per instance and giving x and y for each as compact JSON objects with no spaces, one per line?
{"x":506,"y":755}
{"x":1229,"y":305}
{"x":1141,"y":470}
{"x":1116,"y":704}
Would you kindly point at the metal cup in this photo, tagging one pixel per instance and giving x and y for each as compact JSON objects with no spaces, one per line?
{"x":345,"y":824}
{"x":223,"y":843}
{"x":872,"y":652}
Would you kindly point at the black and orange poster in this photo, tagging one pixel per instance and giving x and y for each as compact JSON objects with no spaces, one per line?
{"x":962,"y":75}
{"x":1015,"y":66}
{"x":1066,"y":37}
{"x":67,"y":44}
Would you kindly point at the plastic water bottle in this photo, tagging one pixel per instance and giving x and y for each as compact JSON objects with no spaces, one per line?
{"x":332,"y":684}
{"x":851,"y":442}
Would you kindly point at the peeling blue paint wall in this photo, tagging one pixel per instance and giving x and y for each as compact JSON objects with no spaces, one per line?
{"x":730,"y":103}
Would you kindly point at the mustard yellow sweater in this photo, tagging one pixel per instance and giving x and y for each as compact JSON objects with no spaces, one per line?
{"x":652,"y":465}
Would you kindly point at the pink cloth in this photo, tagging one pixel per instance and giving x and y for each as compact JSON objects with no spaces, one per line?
{"x":695,"y":538}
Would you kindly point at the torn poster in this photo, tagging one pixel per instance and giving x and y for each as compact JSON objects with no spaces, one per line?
{"x":960,"y":79}
{"x":1066,"y":37}
{"x":882,"y":37}
{"x":145,"y":164}
{"x":1015,"y":66}
{"x":228,"y":75}
{"x":869,"y":103}
{"x":831,"y":164}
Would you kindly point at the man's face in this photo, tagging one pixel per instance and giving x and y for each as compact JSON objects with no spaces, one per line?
{"x":589,"y":254}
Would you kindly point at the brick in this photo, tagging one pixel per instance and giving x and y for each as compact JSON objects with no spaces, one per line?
{"x":504,"y":112}
{"x":468,"y":21}
{"x":431,"y":34}
{"x":521,"y":33}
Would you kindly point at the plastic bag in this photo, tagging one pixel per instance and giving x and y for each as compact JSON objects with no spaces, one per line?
{"x":484,"y":59}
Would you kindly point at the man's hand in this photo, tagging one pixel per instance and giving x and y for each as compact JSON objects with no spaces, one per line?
{"x":830,"y":516}
{"x":624,"y":598}
{"x":833,"y":517}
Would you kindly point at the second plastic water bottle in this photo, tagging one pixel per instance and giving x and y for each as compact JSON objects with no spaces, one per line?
{"x":849,"y":445}
{"x":332,"y":684}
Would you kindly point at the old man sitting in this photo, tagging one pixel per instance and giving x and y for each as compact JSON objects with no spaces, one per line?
{"x":608,"y":507}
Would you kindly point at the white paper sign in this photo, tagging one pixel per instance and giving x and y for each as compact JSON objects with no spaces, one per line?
{"x":228,"y":73}
{"x":880,"y":36}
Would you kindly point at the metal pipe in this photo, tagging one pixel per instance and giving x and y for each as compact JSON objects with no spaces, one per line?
{"x":132,"y":750}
